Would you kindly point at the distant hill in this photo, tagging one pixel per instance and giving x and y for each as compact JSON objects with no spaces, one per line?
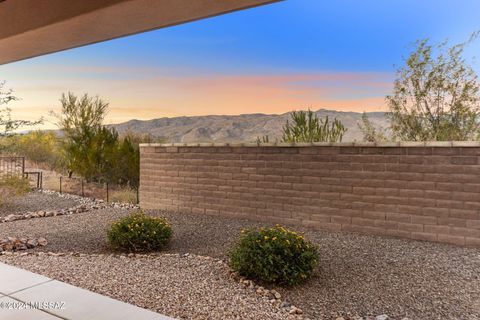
{"x":240,"y":128}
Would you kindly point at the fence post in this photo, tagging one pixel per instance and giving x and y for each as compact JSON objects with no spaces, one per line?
{"x":138,"y":195}
{"x":107,"y":191}
{"x":60,"y":185}
{"x":83,"y":194}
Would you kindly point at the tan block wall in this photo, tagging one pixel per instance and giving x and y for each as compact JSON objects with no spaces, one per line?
{"x":425,"y":193}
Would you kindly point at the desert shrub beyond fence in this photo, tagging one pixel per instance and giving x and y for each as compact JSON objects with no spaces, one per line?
{"x":12,"y":186}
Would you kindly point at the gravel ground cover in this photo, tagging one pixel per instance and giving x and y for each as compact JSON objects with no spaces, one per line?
{"x":358,"y":274}
{"x":185,"y":287}
{"x":35,"y":201}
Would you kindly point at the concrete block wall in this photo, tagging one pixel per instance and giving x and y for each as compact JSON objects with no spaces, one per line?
{"x":424,"y":191}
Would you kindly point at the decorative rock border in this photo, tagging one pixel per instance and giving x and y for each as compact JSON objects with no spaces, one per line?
{"x":12,"y":244}
{"x":86,"y":204}
{"x":96,"y":203}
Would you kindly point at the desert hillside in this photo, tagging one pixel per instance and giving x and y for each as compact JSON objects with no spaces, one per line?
{"x":239,"y":128}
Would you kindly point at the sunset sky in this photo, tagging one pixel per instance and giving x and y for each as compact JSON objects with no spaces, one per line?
{"x":272,"y":59}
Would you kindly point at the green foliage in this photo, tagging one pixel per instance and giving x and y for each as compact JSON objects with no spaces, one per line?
{"x":94,"y":151}
{"x":7,"y":124}
{"x":128,"y":165}
{"x":436,"y":95}
{"x":101,"y":162}
{"x":305,"y":126}
{"x":139,"y":233}
{"x":12,"y":186}
{"x":124,"y":163}
{"x":274,"y":255}
{"x":40,"y":147}
{"x":86,"y":142}
{"x":370,"y":133}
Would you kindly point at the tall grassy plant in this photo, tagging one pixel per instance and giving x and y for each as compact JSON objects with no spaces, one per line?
{"x":305,"y":126}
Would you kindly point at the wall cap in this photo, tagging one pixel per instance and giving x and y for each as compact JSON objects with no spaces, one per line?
{"x":409,"y":144}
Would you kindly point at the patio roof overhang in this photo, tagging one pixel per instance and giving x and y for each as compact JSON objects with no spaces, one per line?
{"x":30,"y":28}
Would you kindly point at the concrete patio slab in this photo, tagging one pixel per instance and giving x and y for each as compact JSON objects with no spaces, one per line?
{"x":53,"y":299}
{"x":7,"y":313}
{"x":13,"y":279}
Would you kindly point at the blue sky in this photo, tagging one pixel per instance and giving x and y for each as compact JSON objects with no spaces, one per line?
{"x":292,"y":54}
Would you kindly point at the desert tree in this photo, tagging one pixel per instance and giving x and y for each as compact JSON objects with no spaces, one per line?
{"x":8,"y":126}
{"x":435,"y":95}
{"x":81,"y":123}
{"x":91,"y":149}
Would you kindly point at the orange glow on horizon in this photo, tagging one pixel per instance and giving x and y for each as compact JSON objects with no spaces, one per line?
{"x":155,"y":96}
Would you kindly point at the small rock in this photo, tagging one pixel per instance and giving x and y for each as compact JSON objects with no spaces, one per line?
{"x":32,"y":243}
{"x":382,"y":317}
{"x":276,"y":294}
{"x":8,"y":218}
{"x":295,"y":310}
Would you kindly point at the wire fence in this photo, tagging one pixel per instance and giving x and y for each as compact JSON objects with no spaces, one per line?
{"x":82,"y":188}
{"x":15,"y":166}
{"x":12,"y":166}
{"x":35,"y":178}
{"x":96,"y":190}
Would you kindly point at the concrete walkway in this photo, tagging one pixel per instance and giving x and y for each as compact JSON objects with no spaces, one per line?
{"x":28,"y":296}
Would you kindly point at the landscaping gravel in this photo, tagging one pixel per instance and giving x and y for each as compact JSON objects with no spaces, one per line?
{"x":358,"y":274}
{"x":188,"y":287}
{"x":35,"y":201}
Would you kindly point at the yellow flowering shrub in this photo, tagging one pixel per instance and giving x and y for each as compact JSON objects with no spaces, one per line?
{"x":139,"y":233}
{"x":274,"y":255}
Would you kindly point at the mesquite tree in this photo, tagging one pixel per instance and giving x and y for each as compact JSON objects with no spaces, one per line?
{"x":436,"y":95}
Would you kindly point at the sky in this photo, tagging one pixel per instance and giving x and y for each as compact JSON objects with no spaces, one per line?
{"x":290,"y":55}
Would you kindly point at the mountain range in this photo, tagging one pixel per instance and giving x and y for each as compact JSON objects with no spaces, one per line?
{"x":238,"y":128}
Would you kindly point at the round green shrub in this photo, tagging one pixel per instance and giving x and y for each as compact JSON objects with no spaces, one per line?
{"x":274,"y":255}
{"x":139,"y":233}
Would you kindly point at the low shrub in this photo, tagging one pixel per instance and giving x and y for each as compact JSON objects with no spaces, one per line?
{"x":139,"y":233}
{"x":12,"y":186}
{"x":274,"y":255}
